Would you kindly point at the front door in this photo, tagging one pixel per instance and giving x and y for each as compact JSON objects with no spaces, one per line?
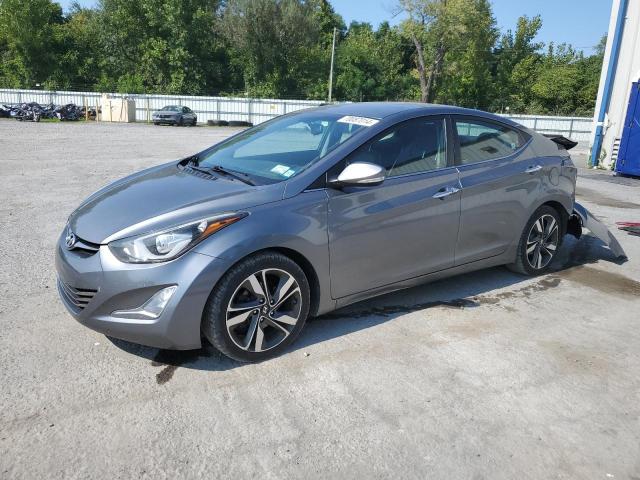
{"x":405,"y":227}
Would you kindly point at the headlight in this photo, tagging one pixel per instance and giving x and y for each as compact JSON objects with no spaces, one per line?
{"x":171,"y":243}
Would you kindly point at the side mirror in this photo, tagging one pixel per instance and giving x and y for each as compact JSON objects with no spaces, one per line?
{"x":360,"y":174}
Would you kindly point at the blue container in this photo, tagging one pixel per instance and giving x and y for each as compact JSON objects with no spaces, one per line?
{"x":628,"y":162}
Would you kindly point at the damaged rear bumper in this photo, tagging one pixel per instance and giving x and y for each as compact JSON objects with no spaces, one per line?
{"x":583,"y":218}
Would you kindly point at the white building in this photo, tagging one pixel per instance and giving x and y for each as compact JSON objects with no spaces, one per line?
{"x":617,"y":77}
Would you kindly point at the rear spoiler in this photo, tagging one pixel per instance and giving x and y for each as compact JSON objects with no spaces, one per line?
{"x":562,"y":142}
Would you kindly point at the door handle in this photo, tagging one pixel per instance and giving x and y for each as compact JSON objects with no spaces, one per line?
{"x":533,"y":169}
{"x":445,"y":192}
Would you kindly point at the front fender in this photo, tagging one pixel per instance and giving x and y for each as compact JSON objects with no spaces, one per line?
{"x":298,"y":224}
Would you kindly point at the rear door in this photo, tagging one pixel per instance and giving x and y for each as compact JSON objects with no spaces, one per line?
{"x":500,"y":180}
{"x":405,"y":227}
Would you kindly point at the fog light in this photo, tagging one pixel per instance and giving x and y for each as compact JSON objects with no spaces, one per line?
{"x":152,"y":308}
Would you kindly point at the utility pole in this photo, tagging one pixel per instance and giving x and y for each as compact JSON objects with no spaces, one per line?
{"x":333,"y":54}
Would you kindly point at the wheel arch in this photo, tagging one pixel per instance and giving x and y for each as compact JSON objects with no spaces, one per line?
{"x":301,"y":261}
{"x":562,"y":212}
{"x":309,"y":271}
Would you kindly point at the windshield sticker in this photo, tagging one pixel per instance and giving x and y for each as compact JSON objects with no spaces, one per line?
{"x":288,"y":173}
{"x":362,"y":121}
{"x":280,"y":169}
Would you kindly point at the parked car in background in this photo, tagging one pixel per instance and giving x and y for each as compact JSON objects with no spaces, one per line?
{"x":174,"y":115}
{"x":310,"y":212}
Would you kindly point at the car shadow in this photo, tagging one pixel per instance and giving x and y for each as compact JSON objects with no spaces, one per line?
{"x":470,"y":290}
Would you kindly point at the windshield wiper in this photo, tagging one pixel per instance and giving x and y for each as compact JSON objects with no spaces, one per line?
{"x":200,"y":169}
{"x":243,"y":177}
{"x":192,"y":163}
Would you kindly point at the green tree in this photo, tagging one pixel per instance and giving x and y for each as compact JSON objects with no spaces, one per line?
{"x":452,"y":39}
{"x":558,"y":81}
{"x":370,"y":64}
{"x":466,"y":73}
{"x":166,"y":46}
{"x":271,"y":42}
{"x":313,"y":69}
{"x":29,"y":45}
{"x":516,"y":58}
{"x":428,"y":29}
{"x":589,"y":71}
{"x":446,"y":51}
{"x":77,"y":63}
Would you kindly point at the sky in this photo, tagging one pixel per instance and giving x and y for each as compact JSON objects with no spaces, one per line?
{"x":579,"y":22}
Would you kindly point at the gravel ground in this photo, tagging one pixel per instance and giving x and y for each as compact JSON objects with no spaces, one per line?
{"x":486,"y":375}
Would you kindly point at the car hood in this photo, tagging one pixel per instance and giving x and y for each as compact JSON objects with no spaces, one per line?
{"x":162,"y":197}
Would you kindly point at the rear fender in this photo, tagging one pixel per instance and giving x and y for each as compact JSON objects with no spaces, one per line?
{"x":583,"y":218}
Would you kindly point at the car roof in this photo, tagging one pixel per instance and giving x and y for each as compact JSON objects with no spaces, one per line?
{"x":380,"y":110}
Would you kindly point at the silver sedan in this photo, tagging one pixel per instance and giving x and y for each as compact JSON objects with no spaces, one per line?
{"x":310,"y":212}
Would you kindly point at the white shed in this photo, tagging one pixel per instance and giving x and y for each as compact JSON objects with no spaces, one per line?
{"x":620,"y":69}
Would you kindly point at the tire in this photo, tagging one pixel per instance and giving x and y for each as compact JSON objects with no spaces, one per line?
{"x":217,"y":123}
{"x":254,"y":330}
{"x":179,"y":122}
{"x":545,"y":249}
{"x":238,"y":123}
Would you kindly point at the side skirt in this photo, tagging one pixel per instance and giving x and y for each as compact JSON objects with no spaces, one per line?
{"x":502,"y":259}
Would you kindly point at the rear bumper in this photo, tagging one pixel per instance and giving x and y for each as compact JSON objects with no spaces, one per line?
{"x":583,"y":218}
{"x":113,"y":285}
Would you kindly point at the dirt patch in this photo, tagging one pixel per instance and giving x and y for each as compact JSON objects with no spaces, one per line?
{"x":389,"y":310}
{"x":609,"y":283}
{"x":540,"y":286}
{"x":573,"y":359}
{"x":473,"y":329}
{"x":172,"y":359}
{"x":601,"y":199}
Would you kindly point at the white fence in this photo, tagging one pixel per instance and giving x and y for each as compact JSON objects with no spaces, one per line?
{"x":256,"y":110}
{"x":575,"y":128}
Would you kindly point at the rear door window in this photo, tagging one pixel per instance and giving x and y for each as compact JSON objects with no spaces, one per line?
{"x":481,"y":140}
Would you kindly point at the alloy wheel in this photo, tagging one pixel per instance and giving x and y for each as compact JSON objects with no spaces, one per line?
{"x":542,"y":242}
{"x":264,"y":310}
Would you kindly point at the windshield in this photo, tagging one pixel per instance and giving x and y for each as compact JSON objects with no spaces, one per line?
{"x":282,"y":148}
{"x":171,"y":108}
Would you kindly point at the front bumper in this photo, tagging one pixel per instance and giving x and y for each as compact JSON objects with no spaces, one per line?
{"x":169,"y":120}
{"x":93,"y":285}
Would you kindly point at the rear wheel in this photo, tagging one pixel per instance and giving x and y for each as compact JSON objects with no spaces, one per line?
{"x":539,"y":242}
{"x":258,"y":308}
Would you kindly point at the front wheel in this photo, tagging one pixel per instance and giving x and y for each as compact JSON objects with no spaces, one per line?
{"x":539,"y":242}
{"x":258,"y":308}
